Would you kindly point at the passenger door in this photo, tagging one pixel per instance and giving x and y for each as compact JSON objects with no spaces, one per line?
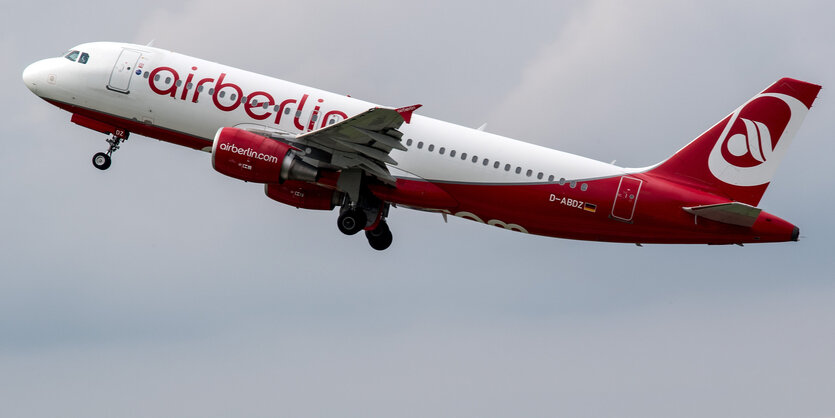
{"x":123,"y":71}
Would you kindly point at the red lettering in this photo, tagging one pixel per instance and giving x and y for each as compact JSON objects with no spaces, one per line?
{"x":314,"y":116}
{"x":220,"y":86}
{"x":172,"y":91}
{"x":254,"y":104}
{"x":188,"y":81}
{"x":197,"y":88}
{"x":248,"y":106}
{"x":333,"y":113}
{"x":281,"y":109}
{"x":299,"y":113}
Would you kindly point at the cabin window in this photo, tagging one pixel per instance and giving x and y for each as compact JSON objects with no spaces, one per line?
{"x":233,"y":96}
{"x":475,"y":159}
{"x":518,"y":170}
{"x":212,"y":91}
{"x":243,"y":99}
{"x":431,"y":147}
{"x":452,"y":153}
{"x":266,"y":105}
{"x":409,"y":142}
{"x":287,"y":111}
{"x":496,"y":164}
{"x":156,"y":77}
{"x":573,"y":184}
{"x":562,"y":181}
{"x":441,"y":150}
{"x":584,"y":187}
{"x":147,"y":74}
{"x":551,"y":177}
{"x":529,"y":173}
{"x":275,"y":108}
{"x":507,"y":167}
{"x":83,"y":58}
{"x":463,"y":156}
{"x":420,"y":144}
{"x":72,"y":56}
{"x":167,"y":80}
{"x":189,"y":86}
{"x":179,"y":83}
{"x":540,"y":175}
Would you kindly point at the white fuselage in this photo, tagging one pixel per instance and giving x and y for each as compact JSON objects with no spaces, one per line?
{"x":196,"y":112}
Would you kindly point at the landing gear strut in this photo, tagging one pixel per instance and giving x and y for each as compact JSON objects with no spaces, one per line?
{"x":102,"y":160}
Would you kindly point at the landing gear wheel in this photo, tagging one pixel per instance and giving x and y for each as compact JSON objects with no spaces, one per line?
{"x":351,"y":221}
{"x":379,"y":238}
{"x":101,"y":161}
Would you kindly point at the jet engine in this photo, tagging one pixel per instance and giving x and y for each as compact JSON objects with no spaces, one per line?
{"x":251,"y":157}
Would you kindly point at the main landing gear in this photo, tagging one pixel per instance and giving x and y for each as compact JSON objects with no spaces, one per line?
{"x":380,"y":237}
{"x":369,"y":214}
{"x":102,"y":160}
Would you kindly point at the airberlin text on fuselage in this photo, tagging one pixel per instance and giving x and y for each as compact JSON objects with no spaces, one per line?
{"x":253,"y":105}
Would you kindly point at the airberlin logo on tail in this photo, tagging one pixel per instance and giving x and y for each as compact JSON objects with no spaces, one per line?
{"x":755,"y":138}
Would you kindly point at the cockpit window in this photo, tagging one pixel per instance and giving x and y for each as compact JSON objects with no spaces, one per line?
{"x":84,"y":57}
{"x":72,"y":56}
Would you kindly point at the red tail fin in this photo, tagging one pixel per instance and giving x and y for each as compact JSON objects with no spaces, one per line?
{"x":738,"y":156}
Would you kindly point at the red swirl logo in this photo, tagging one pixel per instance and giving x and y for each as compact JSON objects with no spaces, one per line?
{"x":754,"y":134}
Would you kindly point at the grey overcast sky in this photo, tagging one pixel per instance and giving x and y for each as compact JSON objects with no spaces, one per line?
{"x":162,"y":288}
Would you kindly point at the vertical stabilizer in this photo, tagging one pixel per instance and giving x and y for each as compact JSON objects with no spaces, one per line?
{"x":738,"y":156}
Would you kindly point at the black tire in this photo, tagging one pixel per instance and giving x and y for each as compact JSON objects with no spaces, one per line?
{"x":351,"y":221}
{"x":101,"y":161}
{"x":379,"y":238}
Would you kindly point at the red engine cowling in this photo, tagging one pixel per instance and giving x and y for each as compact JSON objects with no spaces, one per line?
{"x":303,"y":195}
{"x":251,"y":157}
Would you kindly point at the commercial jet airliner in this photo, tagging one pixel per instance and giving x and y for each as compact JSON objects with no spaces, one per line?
{"x":314,"y":149}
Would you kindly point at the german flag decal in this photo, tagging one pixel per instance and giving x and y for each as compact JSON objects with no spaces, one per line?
{"x":589,"y":207}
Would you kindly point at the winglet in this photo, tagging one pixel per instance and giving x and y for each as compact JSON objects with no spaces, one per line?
{"x":406,"y":112}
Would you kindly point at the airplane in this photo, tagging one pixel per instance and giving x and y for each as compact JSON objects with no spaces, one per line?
{"x":318,"y":150}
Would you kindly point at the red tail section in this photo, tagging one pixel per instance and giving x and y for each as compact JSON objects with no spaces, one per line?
{"x":738,"y":156}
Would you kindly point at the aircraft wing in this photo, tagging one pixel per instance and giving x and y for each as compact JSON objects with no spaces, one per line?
{"x":363,"y":141}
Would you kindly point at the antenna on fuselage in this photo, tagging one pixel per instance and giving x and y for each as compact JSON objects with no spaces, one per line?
{"x":150,"y":43}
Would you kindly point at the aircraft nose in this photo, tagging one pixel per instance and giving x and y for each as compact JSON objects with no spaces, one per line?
{"x":34,"y":75}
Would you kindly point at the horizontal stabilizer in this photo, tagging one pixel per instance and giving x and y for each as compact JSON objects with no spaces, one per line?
{"x":733,"y":213}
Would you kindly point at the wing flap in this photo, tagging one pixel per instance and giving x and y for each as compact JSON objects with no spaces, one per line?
{"x":363,"y":141}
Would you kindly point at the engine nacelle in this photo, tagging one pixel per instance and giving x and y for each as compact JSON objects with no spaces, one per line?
{"x":251,"y":157}
{"x":303,"y":195}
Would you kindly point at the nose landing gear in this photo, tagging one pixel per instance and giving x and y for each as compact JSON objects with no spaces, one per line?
{"x":102,"y":160}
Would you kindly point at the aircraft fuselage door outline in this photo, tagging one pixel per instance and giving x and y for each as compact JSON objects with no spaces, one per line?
{"x":626,"y":198}
{"x":123,"y":71}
